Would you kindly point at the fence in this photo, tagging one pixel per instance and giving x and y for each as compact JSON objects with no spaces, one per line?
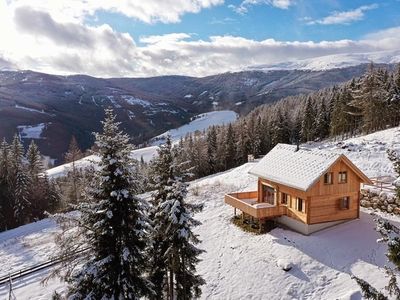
{"x":383,"y":184}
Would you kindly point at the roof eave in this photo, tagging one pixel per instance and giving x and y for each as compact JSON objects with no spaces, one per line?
{"x":278,"y":182}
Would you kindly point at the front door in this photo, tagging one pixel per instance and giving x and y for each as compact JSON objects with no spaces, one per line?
{"x":268,"y":194}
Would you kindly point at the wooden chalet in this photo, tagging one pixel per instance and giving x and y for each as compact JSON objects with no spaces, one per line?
{"x":305,"y":190}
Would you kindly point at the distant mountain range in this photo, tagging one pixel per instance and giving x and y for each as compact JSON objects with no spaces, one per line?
{"x":334,"y":61}
{"x":52,"y":108}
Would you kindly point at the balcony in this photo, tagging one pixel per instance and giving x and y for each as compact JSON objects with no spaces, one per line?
{"x":247,"y":203}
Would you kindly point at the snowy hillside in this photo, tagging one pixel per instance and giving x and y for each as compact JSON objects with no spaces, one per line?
{"x":236,"y":264}
{"x":334,"y":61}
{"x":200,"y":123}
{"x":240,"y":265}
{"x":368,"y":152}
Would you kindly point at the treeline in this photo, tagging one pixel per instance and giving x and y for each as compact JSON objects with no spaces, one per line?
{"x":26,"y":193}
{"x":363,"y":105}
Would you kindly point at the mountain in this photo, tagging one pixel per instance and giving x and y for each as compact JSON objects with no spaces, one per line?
{"x":52,"y":108}
{"x":334,"y":61}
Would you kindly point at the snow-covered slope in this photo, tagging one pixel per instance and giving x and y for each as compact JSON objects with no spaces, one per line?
{"x":240,"y":265}
{"x":236,"y":264}
{"x":368,"y":152}
{"x":200,"y":123}
{"x":334,"y":61}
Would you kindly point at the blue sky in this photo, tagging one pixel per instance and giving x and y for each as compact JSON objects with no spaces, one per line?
{"x":109,"y":38}
{"x":263,"y":21}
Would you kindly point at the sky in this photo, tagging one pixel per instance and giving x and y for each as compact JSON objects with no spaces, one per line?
{"x":142,"y":38}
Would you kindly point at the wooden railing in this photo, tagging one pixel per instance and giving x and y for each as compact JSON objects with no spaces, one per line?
{"x":237,"y":200}
{"x":384,"y":184}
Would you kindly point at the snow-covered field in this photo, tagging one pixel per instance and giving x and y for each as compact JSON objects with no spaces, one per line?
{"x":201,"y":122}
{"x":237,"y":264}
{"x":31,"y":131}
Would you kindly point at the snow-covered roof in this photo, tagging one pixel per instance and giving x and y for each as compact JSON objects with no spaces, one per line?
{"x":297,"y":169}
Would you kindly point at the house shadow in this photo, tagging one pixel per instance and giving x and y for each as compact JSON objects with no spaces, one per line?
{"x":339,"y":247}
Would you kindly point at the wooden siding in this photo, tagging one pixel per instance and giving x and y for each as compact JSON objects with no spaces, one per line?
{"x":234,"y":200}
{"x":352,"y":185}
{"x":327,"y":208}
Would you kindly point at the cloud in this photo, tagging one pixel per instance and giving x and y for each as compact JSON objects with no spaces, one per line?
{"x":344,"y":17}
{"x":148,"y":11}
{"x":38,"y":40}
{"x":244,"y":6}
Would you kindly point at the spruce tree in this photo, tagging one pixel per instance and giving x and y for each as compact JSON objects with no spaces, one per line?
{"x":112,"y":226}
{"x":35,"y":166}
{"x":173,"y":252}
{"x":371,"y":98}
{"x":5,"y":198}
{"x":20,"y":183}
{"x":212,"y":150}
{"x":73,"y":154}
{"x":308,"y":122}
{"x":230,"y":150}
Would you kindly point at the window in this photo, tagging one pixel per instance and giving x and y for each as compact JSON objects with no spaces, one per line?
{"x":343,"y":177}
{"x":300,"y":205}
{"x":285,"y":198}
{"x":328,"y":178}
{"x":345,"y":203}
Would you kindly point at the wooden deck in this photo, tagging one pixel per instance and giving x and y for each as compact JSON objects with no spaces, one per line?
{"x":247,"y":203}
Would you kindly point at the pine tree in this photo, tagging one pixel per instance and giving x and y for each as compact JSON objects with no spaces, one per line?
{"x":35,"y":166}
{"x":73,"y":154}
{"x":308,"y":122}
{"x":230,"y":151}
{"x":212,"y":150}
{"x":20,"y":183}
{"x":243,"y":143}
{"x":371,"y":98}
{"x":173,"y":252}
{"x":280,"y":129}
{"x":322,"y":122}
{"x":5,"y":198}
{"x":111,"y":225}
{"x":257,"y":141}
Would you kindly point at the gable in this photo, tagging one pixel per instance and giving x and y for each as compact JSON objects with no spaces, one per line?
{"x":354,"y":178}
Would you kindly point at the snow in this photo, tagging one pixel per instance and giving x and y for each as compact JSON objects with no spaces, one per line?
{"x":367,"y":152}
{"x":135,"y":101}
{"x":238,"y":264}
{"x":284,"y":264}
{"x":113,"y":102}
{"x":188,"y":96}
{"x":31,"y":131}
{"x":32,"y":110}
{"x":200,"y":123}
{"x":334,"y":61}
{"x":62,"y":170}
{"x":298,"y":169}
{"x":203,"y":93}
